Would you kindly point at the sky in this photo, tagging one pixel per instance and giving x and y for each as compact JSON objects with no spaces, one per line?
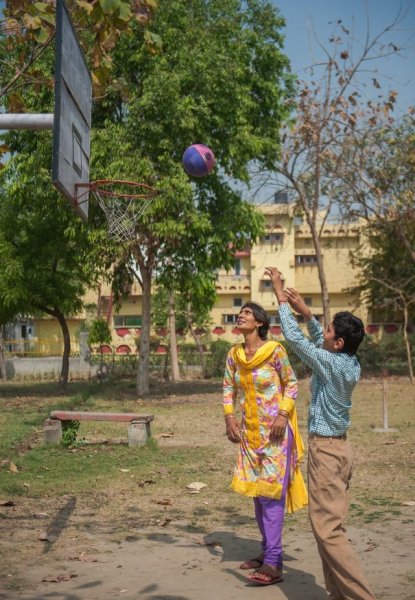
{"x":307,"y":19}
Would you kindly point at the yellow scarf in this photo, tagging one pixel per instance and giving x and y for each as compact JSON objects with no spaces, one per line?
{"x":264,"y":352}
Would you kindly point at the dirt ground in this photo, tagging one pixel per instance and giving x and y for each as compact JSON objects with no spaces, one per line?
{"x":169,"y":564}
{"x":100,"y":549}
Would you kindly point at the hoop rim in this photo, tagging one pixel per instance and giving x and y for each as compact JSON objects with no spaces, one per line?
{"x":99,"y":186}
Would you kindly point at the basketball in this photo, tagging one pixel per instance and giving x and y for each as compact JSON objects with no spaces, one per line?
{"x":198,"y":160}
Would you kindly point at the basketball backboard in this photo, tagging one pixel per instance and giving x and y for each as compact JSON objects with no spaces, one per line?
{"x":72,"y":116}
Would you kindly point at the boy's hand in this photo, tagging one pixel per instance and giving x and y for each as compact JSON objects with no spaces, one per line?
{"x":277,"y":283}
{"x":297,"y":303}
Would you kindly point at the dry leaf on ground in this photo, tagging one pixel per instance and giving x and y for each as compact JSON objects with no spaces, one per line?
{"x":83,"y":557}
{"x":47,"y":537}
{"x":59,"y":578}
{"x":196,"y":486}
{"x":145,"y":482}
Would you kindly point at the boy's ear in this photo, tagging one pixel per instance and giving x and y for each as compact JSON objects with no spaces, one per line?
{"x":339,"y":344}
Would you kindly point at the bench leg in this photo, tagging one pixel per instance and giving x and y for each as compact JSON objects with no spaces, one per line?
{"x":52,"y":431}
{"x":137,"y":433}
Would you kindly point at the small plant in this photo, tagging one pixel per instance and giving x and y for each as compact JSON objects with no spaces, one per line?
{"x":100,"y":333}
{"x":69,"y":432}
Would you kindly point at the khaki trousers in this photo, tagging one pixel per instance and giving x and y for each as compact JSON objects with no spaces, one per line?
{"x":329,"y":473}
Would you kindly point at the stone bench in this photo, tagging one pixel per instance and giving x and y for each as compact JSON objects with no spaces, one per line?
{"x":138,"y":432}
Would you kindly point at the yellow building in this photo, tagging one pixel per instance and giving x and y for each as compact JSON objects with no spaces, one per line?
{"x":287,"y":244}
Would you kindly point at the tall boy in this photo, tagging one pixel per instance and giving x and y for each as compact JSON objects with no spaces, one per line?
{"x":330,"y":355}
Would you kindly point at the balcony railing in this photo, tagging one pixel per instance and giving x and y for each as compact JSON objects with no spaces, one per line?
{"x":232,"y":283}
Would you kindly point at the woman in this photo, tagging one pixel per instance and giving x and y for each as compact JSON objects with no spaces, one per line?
{"x":270,"y":445}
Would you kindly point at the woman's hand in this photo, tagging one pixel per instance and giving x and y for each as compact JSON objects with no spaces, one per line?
{"x":278,"y":428}
{"x":232,"y":429}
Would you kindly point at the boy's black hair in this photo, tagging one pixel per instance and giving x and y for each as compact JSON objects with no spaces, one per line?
{"x":350,"y":329}
{"x":261,"y":316}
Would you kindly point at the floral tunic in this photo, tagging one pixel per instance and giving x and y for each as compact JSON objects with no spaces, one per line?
{"x":265,"y":384}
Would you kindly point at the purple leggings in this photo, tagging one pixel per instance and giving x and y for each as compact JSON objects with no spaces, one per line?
{"x":269,"y":514}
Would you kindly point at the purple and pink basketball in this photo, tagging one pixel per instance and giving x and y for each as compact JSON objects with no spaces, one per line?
{"x":198,"y":160}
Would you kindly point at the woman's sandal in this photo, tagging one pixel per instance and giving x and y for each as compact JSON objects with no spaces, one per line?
{"x":251,"y":563}
{"x":264,"y":578}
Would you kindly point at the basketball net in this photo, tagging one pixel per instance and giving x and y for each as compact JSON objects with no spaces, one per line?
{"x":123,"y":203}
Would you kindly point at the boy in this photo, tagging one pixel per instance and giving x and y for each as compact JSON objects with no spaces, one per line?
{"x":330,"y":354}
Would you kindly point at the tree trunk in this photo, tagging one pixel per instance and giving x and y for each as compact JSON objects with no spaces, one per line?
{"x":175,"y":372}
{"x":55,"y":312}
{"x":143,"y":375}
{"x":63,"y":379}
{"x":407,"y":343}
{"x":199,"y":349}
{"x":325,"y":299}
{"x":3,"y":373}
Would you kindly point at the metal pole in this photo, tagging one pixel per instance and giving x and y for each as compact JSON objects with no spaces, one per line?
{"x":385,"y":404}
{"x":26,"y":121}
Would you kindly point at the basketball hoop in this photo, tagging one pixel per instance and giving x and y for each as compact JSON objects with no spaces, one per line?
{"x":123,"y":203}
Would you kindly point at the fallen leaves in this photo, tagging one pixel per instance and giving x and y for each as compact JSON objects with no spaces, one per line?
{"x":7,"y":503}
{"x":146,"y":482}
{"x":47,"y":537}
{"x":84,"y":557}
{"x":195,"y":487}
{"x":408,"y":503}
{"x":59,"y":578}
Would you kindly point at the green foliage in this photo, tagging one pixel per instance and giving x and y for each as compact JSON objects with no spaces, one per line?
{"x":69,"y":432}
{"x":99,"y":332}
{"x":29,"y":28}
{"x":217,"y":358}
{"x":189,"y":355}
{"x":221,"y":78}
{"x":300,"y":369}
{"x":385,"y":356}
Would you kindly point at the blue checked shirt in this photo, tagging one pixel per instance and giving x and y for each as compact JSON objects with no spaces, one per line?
{"x":335,"y":375}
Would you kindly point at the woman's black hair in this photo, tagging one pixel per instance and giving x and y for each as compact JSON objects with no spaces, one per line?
{"x":261,"y":316}
{"x":350,"y":329}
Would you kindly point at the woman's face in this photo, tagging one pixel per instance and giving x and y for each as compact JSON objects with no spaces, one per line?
{"x":246,"y":321}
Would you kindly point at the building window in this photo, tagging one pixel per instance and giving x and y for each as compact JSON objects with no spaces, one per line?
{"x":230,"y":319}
{"x":273,"y":238}
{"x":306,"y":259}
{"x":237,"y":266}
{"x":127,"y":320}
{"x":274,"y":320}
{"x":237,"y":302}
{"x":308,"y":300}
{"x":266,"y":284}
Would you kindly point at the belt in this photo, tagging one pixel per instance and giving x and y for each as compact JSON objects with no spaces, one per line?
{"x":327,"y":437}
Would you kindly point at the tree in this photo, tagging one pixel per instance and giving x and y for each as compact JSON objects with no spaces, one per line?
{"x":386,"y":280}
{"x":49,"y":257}
{"x":221,"y":79}
{"x":7,"y":313}
{"x":192,"y":301}
{"x":332,"y":113}
{"x":99,"y":333}
{"x":377,"y":181}
{"x":29,"y":27}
